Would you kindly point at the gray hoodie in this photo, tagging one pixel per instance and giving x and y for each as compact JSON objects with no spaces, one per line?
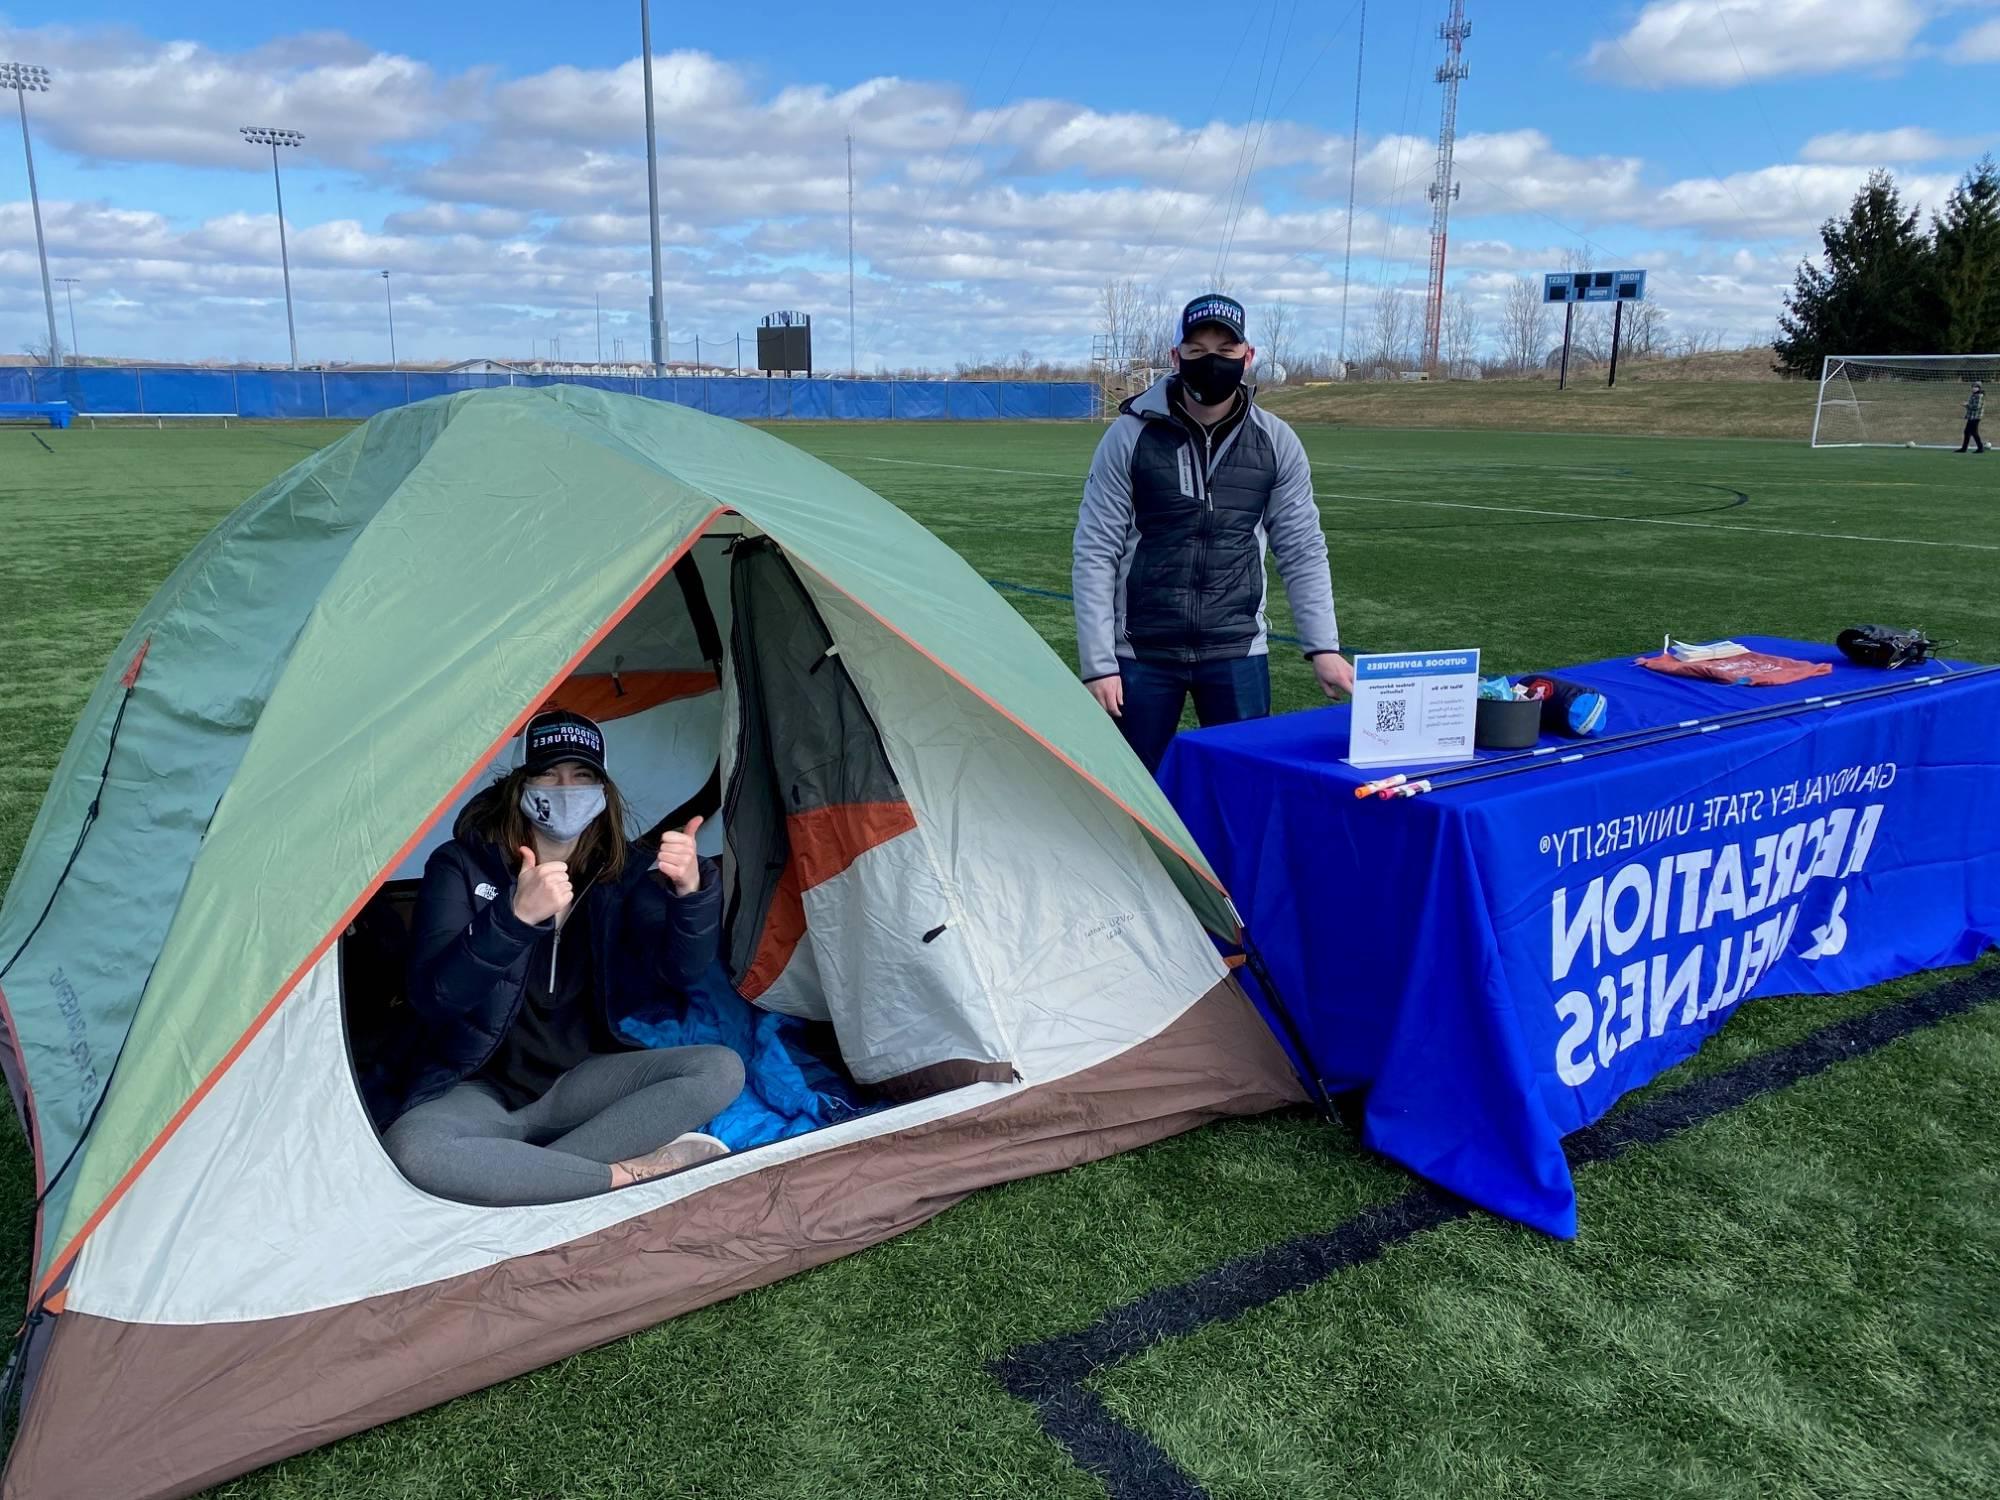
{"x":1194,"y":528}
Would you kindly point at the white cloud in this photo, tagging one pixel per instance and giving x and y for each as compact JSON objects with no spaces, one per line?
{"x":120,"y":97}
{"x":1906,"y":143}
{"x":1979,"y":45}
{"x":1720,"y":43}
{"x":507,"y":210}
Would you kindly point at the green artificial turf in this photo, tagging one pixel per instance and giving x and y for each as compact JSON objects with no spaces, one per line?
{"x":1797,"y":1298}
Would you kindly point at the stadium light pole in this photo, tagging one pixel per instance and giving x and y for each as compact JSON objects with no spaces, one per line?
{"x":389,"y":297}
{"x":24,"y":80}
{"x":263,"y":135}
{"x":658,"y":317}
{"x":851,"y":371}
{"x":69,"y":284}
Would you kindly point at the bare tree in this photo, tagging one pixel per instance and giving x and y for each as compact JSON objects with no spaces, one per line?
{"x":1159,"y":327}
{"x":39,"y":352}
{"x":1697,"y":341}
{"x":1118,"y":311}
{"x":1392,"y":334}
{"x":1524,"y":325}
{"x":1461,"y":333}
{"x":1644,"y":333}
{"x":1275,"y":336}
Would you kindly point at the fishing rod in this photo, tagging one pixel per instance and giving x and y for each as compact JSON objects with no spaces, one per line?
{"x":1403,"y":785}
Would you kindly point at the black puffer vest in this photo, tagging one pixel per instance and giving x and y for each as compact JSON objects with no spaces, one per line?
{"x":1197,"y":579}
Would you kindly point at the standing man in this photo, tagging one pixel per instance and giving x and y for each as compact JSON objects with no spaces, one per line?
{"x":1975,"y":408}
{"x":1188,"y":486}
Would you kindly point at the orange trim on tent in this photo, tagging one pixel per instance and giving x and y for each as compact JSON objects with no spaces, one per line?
{"x":826,"y":840}
{"x":1192,"y":861}
{"x":258,"y":1022}
{"x":605,"y":696}
{"x":784,"y":930}
{"x":131,"y":677}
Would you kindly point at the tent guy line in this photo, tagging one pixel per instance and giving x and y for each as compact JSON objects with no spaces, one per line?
{"x":1051,"y":1374}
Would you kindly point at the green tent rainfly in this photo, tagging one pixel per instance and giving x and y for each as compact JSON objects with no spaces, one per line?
{"x":285,"y":731}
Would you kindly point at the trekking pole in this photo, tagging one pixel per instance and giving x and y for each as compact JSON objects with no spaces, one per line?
{"x":1395,"y":787}
{"x":1386,"y":786}
{"x":1569,"y":750}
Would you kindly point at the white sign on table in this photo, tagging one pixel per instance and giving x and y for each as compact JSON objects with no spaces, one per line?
{"x":1412,"y":706}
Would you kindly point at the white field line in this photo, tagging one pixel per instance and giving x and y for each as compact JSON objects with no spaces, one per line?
{"x":1518,"y":510}
{"x":1578,"y":515}
{"x":918,"y":463}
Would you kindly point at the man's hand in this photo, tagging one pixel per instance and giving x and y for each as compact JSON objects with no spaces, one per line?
{"x":678,"y":859}
{"x":1335,"y":673}
{"x":1109,"y":693}
{"x":540,"y":890}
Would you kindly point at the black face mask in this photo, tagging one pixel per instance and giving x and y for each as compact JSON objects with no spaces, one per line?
{"x":1211,"y":379}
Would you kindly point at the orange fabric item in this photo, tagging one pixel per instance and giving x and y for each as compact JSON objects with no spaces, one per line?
{"x":825,"y":841}
{"x":1751,"y":667}
{"x":604,"y":696}
{"x":784,"y":929}
{"x":138,"y":664}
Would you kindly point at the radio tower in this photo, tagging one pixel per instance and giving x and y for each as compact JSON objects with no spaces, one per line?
{"x":1450,"y":73}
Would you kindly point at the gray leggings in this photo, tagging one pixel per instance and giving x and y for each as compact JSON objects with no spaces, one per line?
{"x":468,"y":1146}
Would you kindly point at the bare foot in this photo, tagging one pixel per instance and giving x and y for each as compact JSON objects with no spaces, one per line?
{"x":682,"y":1151}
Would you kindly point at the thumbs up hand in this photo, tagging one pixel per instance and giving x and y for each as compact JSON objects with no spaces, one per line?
{"x":678,"y":859}
{"x":541,"y":890}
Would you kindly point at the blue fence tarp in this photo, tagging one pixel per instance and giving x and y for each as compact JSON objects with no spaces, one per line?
{"x":918,"y":400}
{"x":104,"y":390}
{"x":861,"y":400}
{"x":188,"y":392}
{"x":279,"y":393}
{"x":972,"y":402}
{"x":805,"y":400}
{"x":745,"y":400}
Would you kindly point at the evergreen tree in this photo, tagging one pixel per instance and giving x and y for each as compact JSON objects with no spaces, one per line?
{"x":1869,"y":297}
{"x":1965,"y":265}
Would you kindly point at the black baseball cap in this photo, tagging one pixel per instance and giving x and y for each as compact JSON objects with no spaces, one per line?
{"x":556,"y":735}
{"x":1212,"y":307}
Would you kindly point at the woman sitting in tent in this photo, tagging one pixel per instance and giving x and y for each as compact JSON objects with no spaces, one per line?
{"x":538,"y":928}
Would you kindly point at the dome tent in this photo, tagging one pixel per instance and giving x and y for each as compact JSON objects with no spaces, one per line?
{"x":982,"y":892}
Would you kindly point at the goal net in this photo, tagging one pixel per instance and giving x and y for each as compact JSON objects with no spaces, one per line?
{"x":1897,"y":400}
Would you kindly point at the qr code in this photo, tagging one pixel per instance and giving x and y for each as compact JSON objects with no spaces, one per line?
{"x":1392,"y":715}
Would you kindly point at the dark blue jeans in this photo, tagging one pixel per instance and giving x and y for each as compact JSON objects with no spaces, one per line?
{"x":1155,"y":693}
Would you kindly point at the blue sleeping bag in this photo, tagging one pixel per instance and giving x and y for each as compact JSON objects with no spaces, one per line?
{"x":788,"y":1091}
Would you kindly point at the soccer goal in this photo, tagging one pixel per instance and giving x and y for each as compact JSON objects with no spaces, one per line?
{"x":1897,"y":400}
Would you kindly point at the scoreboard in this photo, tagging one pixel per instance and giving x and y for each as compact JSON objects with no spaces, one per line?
{"x":1594,"y":286}
{"x":784,"y":343}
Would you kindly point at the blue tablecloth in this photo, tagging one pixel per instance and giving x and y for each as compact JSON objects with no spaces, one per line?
{"x":1495,"y":966}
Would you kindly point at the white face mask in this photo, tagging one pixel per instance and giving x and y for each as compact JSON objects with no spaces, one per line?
{"x":562,"y":812}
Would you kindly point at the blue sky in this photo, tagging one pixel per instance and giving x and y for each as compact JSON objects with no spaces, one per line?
{"x":1011,"y":159}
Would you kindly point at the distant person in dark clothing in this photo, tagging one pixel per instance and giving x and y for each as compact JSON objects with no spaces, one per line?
{"x":537,"y":928}
{"x":1975,"y":407}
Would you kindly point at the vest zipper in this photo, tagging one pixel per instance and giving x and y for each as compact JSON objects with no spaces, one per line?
{"x":1201,"y":546}
{"x":555,"y":947}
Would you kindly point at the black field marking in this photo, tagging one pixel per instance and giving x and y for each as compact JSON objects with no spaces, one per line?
{"x":1050,"y":1375}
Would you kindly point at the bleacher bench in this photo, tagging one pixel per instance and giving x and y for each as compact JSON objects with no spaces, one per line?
{"x":58,"y":412}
